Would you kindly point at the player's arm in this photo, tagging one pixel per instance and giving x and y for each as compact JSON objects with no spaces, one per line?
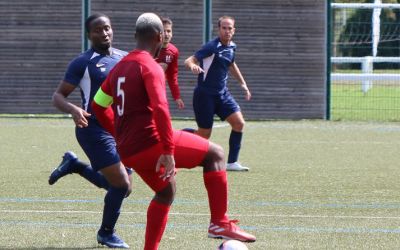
{"x":164,"y":66}
{"x":101,"y":107}
{"x":193,"y":61}
{"x":60,"y":96}
{"x":154,"y":81}
{"x":172,"y":78}
{"x":193,"y":64}
{"x":155,"y":88}
{"x":235,"y":71}
{"x":71,"y":80}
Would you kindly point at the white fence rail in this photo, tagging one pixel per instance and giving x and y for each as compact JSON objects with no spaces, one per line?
{"x":367,"y":76}
{"x":365,"y":5}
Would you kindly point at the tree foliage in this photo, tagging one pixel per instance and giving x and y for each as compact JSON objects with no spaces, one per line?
{"x":355,"y":39}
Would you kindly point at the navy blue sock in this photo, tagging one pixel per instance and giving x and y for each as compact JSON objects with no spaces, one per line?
{"x":190,"y":130}
{"x":235,"y":140}
{"x":112,"y":206}
{"x":87,"y":172}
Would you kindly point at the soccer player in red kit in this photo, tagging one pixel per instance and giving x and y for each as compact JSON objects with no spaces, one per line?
{"x":168,"y":59}
{"x":145,"y":139}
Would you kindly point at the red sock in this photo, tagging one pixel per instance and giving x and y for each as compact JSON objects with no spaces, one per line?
{"x":217,"y":188}
{"x":157,"y":217}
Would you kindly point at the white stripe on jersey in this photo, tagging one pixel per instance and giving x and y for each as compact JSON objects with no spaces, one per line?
{"x":207,"y":64}
{"x":85,"y":85}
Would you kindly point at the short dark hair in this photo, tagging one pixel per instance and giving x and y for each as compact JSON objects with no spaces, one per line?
{"x":91,"y":18}
{"x":224,"y":17}
{"x":166,"y":20}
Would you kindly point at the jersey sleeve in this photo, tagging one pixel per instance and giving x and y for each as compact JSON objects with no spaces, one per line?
{"x":234,"y":53}
{"x":172,"y":77}
{"x":206,"y":51}
{"x":154,"y":82}
{"x":101,"y":106}
{"x":75,"y":71}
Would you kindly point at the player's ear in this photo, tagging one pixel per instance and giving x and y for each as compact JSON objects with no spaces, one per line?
{"x":160,"y":37}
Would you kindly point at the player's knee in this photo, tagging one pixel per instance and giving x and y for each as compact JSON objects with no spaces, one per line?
{"x":215,"y":159}
{"x":167,"y":195}
{"x":120,"y":181}
{"x":205,"y":133}
{"x":238,"y":126}
{"x":219,"y":153}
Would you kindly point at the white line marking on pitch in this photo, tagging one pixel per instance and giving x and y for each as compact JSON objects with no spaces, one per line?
{"x":204,"y":214}
{"x":223,"y":125}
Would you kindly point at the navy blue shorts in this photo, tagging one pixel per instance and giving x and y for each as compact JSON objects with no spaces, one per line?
{"x":98,"y":145}
{"x":206,"y":105}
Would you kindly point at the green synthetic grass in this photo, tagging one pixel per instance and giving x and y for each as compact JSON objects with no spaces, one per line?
{"x":380,"y":103}
{"x":312,"y":185}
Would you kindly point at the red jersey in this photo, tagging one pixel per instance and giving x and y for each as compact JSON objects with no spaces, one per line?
{"x":169,"y":56}
{"x":141,"y":112}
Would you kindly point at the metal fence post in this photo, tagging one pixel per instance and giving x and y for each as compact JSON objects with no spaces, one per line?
{"x":207,"y":21}
{"x":85,"y":14}
{"x":328,"y":60}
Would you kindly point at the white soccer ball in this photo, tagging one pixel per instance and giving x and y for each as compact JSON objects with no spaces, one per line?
{"x":232,"y":245}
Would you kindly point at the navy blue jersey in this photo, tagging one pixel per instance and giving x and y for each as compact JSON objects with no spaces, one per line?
{"x":215,"y":59}
{"x":89,"y":70}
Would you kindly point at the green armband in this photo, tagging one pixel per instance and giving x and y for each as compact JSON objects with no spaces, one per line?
{"x":102,"y":99}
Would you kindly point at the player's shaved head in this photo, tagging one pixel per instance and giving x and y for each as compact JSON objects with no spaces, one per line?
{"x":148,"y":25}
{"x":149,"y":33}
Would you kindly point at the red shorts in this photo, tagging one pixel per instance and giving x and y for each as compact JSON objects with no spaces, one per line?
{"x":190,"y":151}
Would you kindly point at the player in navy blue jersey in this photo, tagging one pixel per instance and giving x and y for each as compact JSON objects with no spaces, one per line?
{"x":211,"y":96}
{"x":88,"y":71}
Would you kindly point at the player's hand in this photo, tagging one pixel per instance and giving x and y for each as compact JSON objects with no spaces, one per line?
{"x":79,"y":115}
{"x":196,"y":69}
{"x":168,"y":162}
{"x":130,"y":186}
{"x":180,"y":103}
{"x":248,"y":95}
{"x":164,"y":66}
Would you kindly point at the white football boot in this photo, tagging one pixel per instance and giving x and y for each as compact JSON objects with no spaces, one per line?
{"x":235,"y":166}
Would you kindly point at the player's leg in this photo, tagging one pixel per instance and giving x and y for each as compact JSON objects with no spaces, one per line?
{"x":157,"y":215}
{"x":229,"y":110}
{"x":192,"y":151}
{"x":71,"y":164}
{"x":204,"y":132}
{"x":157,"y":212}
{"x":100,"y":148}
{"x":215,"y":180}
{"x":119,"y":184}
{"x":204,"y":109}
{"x":235,"y":140}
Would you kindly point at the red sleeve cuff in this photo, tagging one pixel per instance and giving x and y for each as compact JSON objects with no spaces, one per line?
{"x":169,"y":150}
